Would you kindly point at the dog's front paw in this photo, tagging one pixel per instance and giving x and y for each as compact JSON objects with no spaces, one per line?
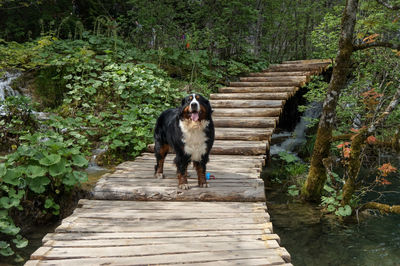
{"x":159,"y":175}
{"x":184,"y":186}
{"x":204,"y":185}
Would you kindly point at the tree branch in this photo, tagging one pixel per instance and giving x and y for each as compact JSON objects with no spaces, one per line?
{"x":386,"y":4}
{"x":376,"y":44}
{"x":383,"y":208}
{"x":391,"y":106}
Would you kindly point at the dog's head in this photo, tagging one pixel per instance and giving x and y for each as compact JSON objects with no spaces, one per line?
{"x":196,"y":108}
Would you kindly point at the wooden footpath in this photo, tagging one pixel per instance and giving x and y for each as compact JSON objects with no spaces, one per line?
{"x":135,"y":219}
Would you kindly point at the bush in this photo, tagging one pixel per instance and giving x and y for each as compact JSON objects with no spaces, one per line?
{"x":41,"y":170}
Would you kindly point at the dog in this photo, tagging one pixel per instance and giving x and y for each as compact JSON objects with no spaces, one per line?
{"x":189,"y":131}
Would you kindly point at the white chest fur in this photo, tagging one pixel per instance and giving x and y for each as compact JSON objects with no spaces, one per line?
{"x":194,"y":137}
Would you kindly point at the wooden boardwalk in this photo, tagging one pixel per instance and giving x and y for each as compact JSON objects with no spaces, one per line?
{"x":135,"y":219}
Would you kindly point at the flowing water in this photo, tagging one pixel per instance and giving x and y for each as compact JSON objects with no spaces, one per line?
{"x":313,"y":239}
{"x":5,"y":85}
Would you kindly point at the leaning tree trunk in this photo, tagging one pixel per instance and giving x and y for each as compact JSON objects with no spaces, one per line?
{"x":316,"y":178}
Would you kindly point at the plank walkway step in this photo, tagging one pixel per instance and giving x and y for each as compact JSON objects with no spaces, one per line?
{"x":246,"y":103}
{"x":275,"y":79}
{"x":250,"y":96}
{"x":279,"y":74}
{"x":230,"y":133}
{"x":314,"y":67}
{"x":136,"y":219}
{"x":244,"y":122}
{"x":291,"y":90}
{"x":247,"y":112}
{"x":267,"y":84}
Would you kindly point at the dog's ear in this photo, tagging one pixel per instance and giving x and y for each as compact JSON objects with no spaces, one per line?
{"x":183,"y":101}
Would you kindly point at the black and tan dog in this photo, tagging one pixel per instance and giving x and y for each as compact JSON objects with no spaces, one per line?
{"x":189,"y":131}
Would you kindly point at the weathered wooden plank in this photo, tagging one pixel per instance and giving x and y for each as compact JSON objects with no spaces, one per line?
{"x":247,"y":103}
{"x":268,"y":84}
{"x":171,"y":205}
{"x":147,"y":250}
{"x":308,"y":61}
{"x":191,"y":257}
{"x":245,"y":193}
{"x":192,"y":181}
{"x":279,"y":74}
{"x":297,"y":67}
{"x":245,"y":122}
{"x":245,"y":89}
{"x":242,"y":133}
{"x":275,"y":79}
{"x":170,"y":236}
{"x":156,"y":241}
{"x":251,"y":96}
{"x":247,"y":112}
{"x":240,"y":147}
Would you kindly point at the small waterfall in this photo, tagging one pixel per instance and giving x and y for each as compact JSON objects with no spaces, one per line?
{"x":298,"y":136}
{"x":93,"y":167}
{"x":5,"y":88}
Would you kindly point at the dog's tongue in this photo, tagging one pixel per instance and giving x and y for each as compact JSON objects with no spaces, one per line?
{"x":195,"y":117}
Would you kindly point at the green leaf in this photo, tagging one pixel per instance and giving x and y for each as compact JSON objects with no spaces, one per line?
{"x":80,"y":176}
{"x":3,"y":169}
{"x":38,"y":184}
{"x":34,"y":171}
{"x":344,"y":211}
{"x":58,"y":168}
{"x":79,"y":160}
{"x":12,"y":177}
{"x":50,"y":159}
{"x":7,"y":203}
{"x":69,"y":179}
{"x":20,"y":242}
{"x":5,"y":249}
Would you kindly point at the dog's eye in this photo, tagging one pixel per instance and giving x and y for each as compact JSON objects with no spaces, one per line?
{"x":191,"y":98}
{"x":197,"y":97}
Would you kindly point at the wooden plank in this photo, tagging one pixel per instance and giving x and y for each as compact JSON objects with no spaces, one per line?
{"x":298,"y":67}
{"x":77,"y":224}
{"x":148,"y":236}
{"x":147,"y":250}
{"x":247,"y":112}
{"x":275,"y":79}
{"x":308,"y":61}
{"x":242,"y":133}
{"x":156,"y":241}
{"x":279,"y":74}
{"x":171,"y":205}
{"x":260,"y":89}
{"x":250,"y":96}
{"x":246,"y":103}
{"x":245,"y":122}
{"x":190,"y":257}
{"x":269,"y":83}
{"x":113,"y":192}
{"x":239,"y":147}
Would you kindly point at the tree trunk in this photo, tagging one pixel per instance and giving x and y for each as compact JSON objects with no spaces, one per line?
{"x":316,"y":178}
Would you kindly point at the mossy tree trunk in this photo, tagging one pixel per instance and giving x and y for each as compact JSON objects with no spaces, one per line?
{"x":357,"y":142}
{"x":316,"y":178}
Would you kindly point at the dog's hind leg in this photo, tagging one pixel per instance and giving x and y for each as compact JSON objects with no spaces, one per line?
{"x":201,"y":173}
{"x":161,"y":152}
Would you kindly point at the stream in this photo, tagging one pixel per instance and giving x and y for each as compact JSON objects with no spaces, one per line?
{"x":313,"y":239}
